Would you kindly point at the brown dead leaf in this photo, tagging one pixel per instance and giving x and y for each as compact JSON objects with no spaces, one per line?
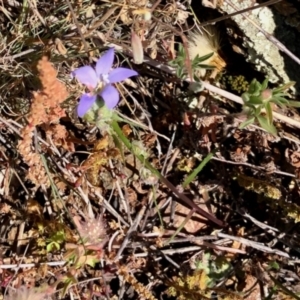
{"x":90,"y":11}
{"x":181,"y":212}
{"x":126,"y":130}
{"x":12,"y":235}
{"x":149,"y":139}
{"x":251,"y":288}
{"x":34,"y":208}
{"x":236,"y":244}
{"x":4,"y":208}
{"x":240,"y":154}
{"x":60,"y":46}
{"x":125,"y":16}
{"x":293,"y":158}
{"x":30,"y":278}
{"x":131,"y":195}
{"x":43,"y":270}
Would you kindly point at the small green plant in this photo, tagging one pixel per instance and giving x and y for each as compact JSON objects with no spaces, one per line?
{"x":55,"y":241}
{"x":203,"y":281}
{"x":258,"y":100}
{"x":215,"y":270}
{"x":52,"y":236}
{"x":88,"y":250}
{"x":180,"y":63}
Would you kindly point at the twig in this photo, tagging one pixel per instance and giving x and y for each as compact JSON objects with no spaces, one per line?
{"x":17,"y":266}
{"x":111,"y":240}
{"x":121,"y":195}
{"x":189,"y":249}
{"x":12,"y":57}
{"x":213,"y":21}
{"x":252,"y":166}
{"x":164,"y":170}
{"x":86,"y":47}
{"x":133,"y":228}
{"x":255,"y":245}
{"x":107,"y":205}
{"x":143,"y":126}
{"x":171,"y":251}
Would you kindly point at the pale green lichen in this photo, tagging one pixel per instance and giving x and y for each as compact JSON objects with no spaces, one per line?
{"x":264,"y":54}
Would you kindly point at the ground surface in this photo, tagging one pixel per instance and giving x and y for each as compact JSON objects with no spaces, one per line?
{"x":84,"y":216}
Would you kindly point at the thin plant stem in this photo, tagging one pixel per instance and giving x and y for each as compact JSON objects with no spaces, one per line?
{"x":203,"y":163}
{"x":185,"y":199}
{"x":188,"y":217}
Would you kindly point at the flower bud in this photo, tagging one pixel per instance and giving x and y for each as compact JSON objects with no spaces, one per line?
{"x":137,"y":48}
{"x":266,"y":95}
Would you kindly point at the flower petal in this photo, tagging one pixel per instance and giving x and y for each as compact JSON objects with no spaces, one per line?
{"x":105,"y":62}
{"x":120,"y":74}
{"x":86,"y":75}
{"x":110,"y":96}
{"x":85,"y":103}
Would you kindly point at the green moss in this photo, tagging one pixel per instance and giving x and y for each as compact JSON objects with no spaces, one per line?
{"x":237,"y":84}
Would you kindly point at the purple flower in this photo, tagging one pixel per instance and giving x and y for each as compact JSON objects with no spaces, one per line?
{"x":99,"y":82}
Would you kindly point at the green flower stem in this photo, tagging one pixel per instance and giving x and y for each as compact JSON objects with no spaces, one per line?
{"x":188,"y":217}
{"x":190,"y":203}
{"x":203,"y":163}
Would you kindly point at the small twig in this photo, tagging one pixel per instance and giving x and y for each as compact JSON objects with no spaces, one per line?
{"x":86,"y":47}
{"x":180,"y":227}
{"x":189,"y":249}
{"x":16,"y":269}
{"x":12,"y":57}
{"x":164,"y":170}
{"x":143,"y":126}
{"x":107,"y":205}
{"x":111,"y":240}
{"x":32,"y":265}
{"x":155,"y":5}
{"x":20,"y":237}
{"x":33,"y":7}
{"x":172,"y":160}
{"x":20,"y":181}
{"x":213,"y":21}
{"x":121,"y":195}
{"x":260,"y":224}
{"x":170,"y":251}
{"x":133,"y":228}
{"x":255,"y":245}
{"x":252,"y":166}
{"x":222,"y":248}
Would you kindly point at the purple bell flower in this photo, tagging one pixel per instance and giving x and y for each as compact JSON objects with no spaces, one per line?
{"x":99,"y":82}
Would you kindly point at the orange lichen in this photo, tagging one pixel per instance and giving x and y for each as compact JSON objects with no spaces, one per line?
{"x":46,"y":110}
